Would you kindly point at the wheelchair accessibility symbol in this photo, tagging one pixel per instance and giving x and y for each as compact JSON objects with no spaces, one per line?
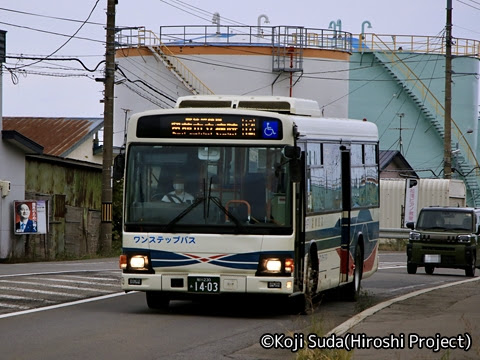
{"x":270,"y":129}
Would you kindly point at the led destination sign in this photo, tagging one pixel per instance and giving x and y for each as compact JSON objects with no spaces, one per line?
{"x":209,"y":126}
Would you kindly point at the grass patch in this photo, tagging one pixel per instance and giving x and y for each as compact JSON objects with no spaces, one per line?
{"x":393,"y":245}
{"x":318,"y":327}
{"x":365,"y":300}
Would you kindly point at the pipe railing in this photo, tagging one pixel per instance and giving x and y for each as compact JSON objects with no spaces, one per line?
{"x":209,"y":35}
{"x":418,"y":44}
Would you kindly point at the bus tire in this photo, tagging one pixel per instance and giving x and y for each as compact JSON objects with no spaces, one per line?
{"x":470,"y":270}
{"x":297,"y":305}
{"x":352,"y":290}
{"x":411,"y":268}
{"x":311,"y":280}
{"x":156,"y":300}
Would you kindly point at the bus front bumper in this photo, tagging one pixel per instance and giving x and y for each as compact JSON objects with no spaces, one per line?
{"x":207,"y":283}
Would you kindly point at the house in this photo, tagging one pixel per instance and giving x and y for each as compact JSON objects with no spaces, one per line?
{"x":57,"y":162}
{"x":72,"y":138}
{"x":393,"y":166}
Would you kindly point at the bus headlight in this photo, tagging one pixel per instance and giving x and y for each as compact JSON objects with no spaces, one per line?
{"x":139,"y":262}
{"x":135,"y":263}
{"x":275,"y":265}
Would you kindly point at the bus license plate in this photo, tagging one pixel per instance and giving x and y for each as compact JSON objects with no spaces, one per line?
{"x":203,"y":284}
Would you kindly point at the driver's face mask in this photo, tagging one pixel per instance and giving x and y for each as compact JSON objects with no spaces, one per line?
{"x":178,"y":186}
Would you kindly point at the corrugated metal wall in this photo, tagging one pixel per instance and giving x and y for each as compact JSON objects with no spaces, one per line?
{"x":74,"y":199}
{"x":431,"y":192}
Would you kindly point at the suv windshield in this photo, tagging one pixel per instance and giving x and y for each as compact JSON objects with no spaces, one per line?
{"x":445,"y":219}
{"x":214,"y":189}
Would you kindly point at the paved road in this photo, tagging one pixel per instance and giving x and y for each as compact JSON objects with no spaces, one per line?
{"x":28,"y":286}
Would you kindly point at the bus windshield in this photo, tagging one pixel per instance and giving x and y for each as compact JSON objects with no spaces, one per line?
{"x":209,"y":189}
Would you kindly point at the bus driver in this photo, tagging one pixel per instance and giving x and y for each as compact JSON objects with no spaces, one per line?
{"x":178,"y":195}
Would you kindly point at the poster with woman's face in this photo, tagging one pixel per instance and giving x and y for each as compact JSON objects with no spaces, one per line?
{"x":26,"y":217}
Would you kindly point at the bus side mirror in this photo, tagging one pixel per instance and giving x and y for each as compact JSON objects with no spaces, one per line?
{"x":118,"y":166}
{"x":292,"y":152}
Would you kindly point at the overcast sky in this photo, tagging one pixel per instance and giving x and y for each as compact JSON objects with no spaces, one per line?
{"x":56,"y":28}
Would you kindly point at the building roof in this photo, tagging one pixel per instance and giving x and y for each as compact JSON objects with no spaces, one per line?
{"x":58,"y":136}
{"x":22,"y":142}
{"x":388,"y":157}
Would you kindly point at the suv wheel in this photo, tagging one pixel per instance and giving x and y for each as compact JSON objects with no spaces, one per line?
{"x":429,"y":269}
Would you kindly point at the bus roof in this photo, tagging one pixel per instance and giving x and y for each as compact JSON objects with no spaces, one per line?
{"x":303,"y":113}
{"x":336,"y":129}
{"x":279,"y":104}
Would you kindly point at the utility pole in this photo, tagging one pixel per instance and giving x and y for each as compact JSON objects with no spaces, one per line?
{"x":447,"y":150}
{"x":106,"y":225}
{"x":400,"y":140}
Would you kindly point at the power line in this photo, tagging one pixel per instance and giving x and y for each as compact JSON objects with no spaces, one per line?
{"x":464,"y":3}
{"x":183,"y":5}
{"x":54,"y":59}
{"x":50,"y":32}
{"x":66,"y":42}
{"x":49,"y":17}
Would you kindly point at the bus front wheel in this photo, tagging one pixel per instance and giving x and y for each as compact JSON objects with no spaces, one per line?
{"x":411,"y":268}
{"x":352,"y":290}
{"x":156,"y":300}
{"x":470,"y":270}
{"x":310,"y":282}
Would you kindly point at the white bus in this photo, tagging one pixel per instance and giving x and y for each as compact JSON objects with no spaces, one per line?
{"x":248,"y":195}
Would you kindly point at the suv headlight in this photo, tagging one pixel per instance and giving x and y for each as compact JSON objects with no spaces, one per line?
{"x":414,"y":236}
{"x":464,"y":239}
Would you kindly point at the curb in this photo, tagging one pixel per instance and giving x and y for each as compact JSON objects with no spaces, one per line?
{"x":347,"y":325}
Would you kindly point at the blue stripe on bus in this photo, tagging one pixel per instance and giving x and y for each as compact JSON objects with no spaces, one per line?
{"x":248,"y":261}
{"x":329,"y":238}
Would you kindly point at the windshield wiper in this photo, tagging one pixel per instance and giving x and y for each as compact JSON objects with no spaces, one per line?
{"x":183,"y":213}
{"x":237,"y":222}
{"x":216,"y":201}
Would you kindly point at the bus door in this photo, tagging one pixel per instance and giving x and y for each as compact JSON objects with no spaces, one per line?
{"x":346,"y":213}
{"x":299,"y":229}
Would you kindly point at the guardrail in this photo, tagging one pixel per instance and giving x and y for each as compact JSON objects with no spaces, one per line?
{"x":398,"y":234}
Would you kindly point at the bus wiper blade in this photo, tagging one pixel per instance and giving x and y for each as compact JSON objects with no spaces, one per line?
{"x":183,"y":213}
{"x":237,"y":222}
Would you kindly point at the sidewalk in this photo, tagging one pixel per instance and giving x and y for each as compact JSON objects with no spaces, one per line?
{"x":433,"y":323}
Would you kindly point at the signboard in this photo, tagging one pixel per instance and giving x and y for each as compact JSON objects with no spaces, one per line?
{"x":411,"y":200}
{"x":30,"y":217}
{"x":209,"y":126}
